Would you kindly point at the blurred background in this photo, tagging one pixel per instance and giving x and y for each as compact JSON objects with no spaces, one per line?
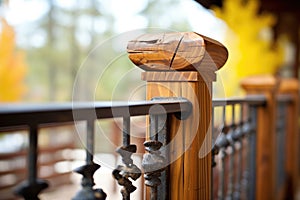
{"x":59,"y":51}
{"x":44,"y":42}
{"x":49,"y":41}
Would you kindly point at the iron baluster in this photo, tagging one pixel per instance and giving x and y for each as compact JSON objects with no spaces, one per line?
{"x":239,"y":167}
{"x":129,"y":170}
{"x":31,"y":188}
{"x":163,"y":188}
{"x":221,"y":144}
{"x":215,"y":148}
{"x":246,"y":131}
{"x":229,"y":137}
{"x":252,"y":154}
{"x":126,"y":131}
{"x":222,"y":168}
{"x":87,"y":171}
{"x":280,"y":144}
{"x":153,"y":162}
{"x":35,"y":116}
{"x":238,"y":137}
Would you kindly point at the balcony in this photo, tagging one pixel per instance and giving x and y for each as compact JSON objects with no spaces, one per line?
{"x":195,"y":147}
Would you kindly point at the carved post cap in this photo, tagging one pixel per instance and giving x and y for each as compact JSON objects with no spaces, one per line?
{"x":259,"y":83}
{"x":289,"y":85}
{"x":177,"y":51}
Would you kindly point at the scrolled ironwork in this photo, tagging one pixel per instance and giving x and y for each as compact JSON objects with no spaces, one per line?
{"x":129,"y":170}
{"x":87,"y":192}
{"x":153,"y":164}
{"x":29,"y":190}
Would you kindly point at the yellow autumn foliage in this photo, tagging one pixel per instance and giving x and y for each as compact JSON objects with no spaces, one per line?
{"x":250,"y":46}
{"x":12,"y":66}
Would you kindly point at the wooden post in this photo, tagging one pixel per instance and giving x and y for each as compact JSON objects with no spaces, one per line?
{"x":266,"y":116}
{"x":183,"y":65}
{"x":291,"y":87}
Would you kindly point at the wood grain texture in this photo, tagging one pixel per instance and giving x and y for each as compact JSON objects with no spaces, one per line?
{"x":174,"y":76}
{"x":189,"y":174}
{"x":183,"y":65}
{"x":171,"y":89}
{"x":180,"y":51}
{"x":156,"y":76}
{"x":266,"y":117}
{"x":198,"y":145}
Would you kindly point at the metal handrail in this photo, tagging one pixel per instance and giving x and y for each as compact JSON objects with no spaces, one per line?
{"x":258,"y":100}
{"x":284,"y":98}
{"x":36,"y":116}
{"x":15,"y":115}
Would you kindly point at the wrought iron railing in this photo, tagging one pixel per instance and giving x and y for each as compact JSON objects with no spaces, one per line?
{"x":234,"y":123}
{"x":234,"y":144}
{"x":196,"y":147}
{"x":283,"y":101}
{"x":33,"y":117}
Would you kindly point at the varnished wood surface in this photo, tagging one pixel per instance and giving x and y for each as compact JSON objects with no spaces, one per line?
{"x":288,"y":86}
{"x":256,"y":84}
{"x":170,"y":76}
{"x":184,"y":51}
{"x":183,"y":65}
{"x":189,"y":174}
{"x":175,"y":76}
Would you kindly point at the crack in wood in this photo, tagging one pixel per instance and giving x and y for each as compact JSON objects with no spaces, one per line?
{"x":175,"y":52}
{"x":149,"y":41}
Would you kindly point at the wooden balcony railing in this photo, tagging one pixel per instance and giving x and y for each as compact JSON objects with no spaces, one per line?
{"x":234,"y":150}
{"x":196,"y":147}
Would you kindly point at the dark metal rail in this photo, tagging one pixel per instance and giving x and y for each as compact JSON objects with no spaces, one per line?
{"x":45,"y":114}
{"x":234,"y":142}
{"x":35,"y":116}
{"x":258,"y":100}
{"x":284,"y":98}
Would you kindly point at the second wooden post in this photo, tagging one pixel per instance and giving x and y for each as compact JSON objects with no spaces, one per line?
{"x":265,"y":138}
